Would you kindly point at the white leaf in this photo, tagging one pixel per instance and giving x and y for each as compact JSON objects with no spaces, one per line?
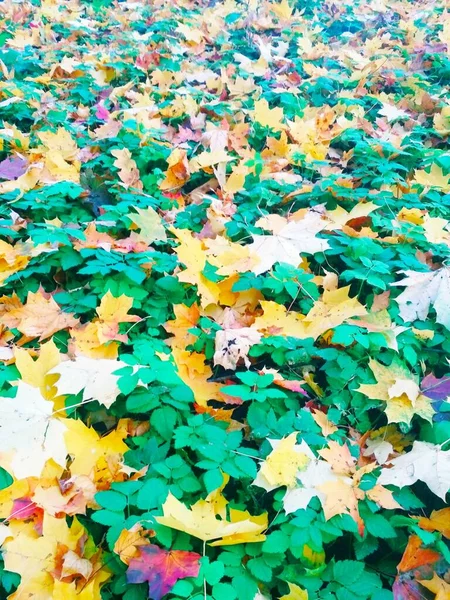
{"x":317,"y":473}
{"x":380,"y":448}
{"x":426,"y":462}
{"x":289,"y":242}
{"x":392,"y":112}
{"x":30,"y":432}
{"x":95,"y":376}
{"x":422,"y":291}
{"x":231,"y":345}
{"x":5,"y":532}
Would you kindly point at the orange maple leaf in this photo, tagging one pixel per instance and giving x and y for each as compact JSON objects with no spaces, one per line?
{"x":40,"y":317}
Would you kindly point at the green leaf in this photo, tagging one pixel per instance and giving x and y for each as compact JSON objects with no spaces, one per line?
{"x":379,"y":526}
{"x":245,"y":587}
{"x":259,"y":569}
{"x":212,"y":479}
{"x":163,"y":421}
{"x":346,"y":572}
{"x":276,"y":542}
{"x":108,"y":517}
{"x":213,"y":571}
{"x":5,"y":479}
{"x":111,"y":500}
{"x":223,"y":591}
{"x":152,"y":494}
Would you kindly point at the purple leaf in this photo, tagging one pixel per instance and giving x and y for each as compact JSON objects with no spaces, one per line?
{"x":13,"y":167}
{"x":436,"y":389}
{"x":162,"y":569}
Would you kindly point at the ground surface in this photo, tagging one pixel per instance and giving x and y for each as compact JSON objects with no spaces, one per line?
{"x":225,"y":312}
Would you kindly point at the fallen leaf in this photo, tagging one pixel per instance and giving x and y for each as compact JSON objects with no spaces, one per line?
{"x":439,"y":520}
{"x":162,"y":568}
{"x":399,"y":388}
{"x":286,"y":245}
{"x":130,"y":541}
{"x":98,"y":457}
{"x":128,"y":171}
{"x":424,"y":290}
{"x":94,"y":376}
{"x":233,"y":346}
{"x":30,"y":432}
{"x":432,"y":178}
{"x":149,"y":223}
{"x":201,"y":521}
{"x":332,"y":310}
{"x":39,"y":317}
{"x":37,"y":372}
{"x":438,"y":586}
{"x":268,"y":117}
{"x":276,"y":320}
{"x":282,"y":465}
{"x":425,"y":462}
{"x":295,"y":593}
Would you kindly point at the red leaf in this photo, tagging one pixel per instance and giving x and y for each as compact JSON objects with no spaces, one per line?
{"x":415,"y":556}
{"x":162,"y":569}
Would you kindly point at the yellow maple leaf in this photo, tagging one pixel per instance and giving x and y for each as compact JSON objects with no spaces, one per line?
{"x":128,"y":170}
{"x":60,"y":142}
{"x":411,"y":215}
{"x":150,"y":224}
{"x":229,"y":257}
{"x":177,"y":172}
{"x":441,"y":121}
{"x":437,"y":230}
{"x":341,"y":497}
{"x":95,"y":339}
{"x":276,"y":320}
{"x":33,"y":558}
{"x":208,"y":159}
{"x":76,"y":496}
{"x":191,"y":253}
{"x":35,"y":372}
{"x":81,"y":590}
{"x":91,"y":452}
{"x":40,"y":560}
{"x":433,"y":178}
{"x":438,"y":586}
{"x":326,"y":426}
{"x":39,"y":317}
{"x":130,"y":540}
{"x":18,"y":489}
{"x":332,"y":310}
{"x":193,"y":371}
{"x":12,"y":258}
{"x":283,"y":463}
{"x":186,"y":317}
{"x":339,"y":457}
{"x":283,"y":9}
{"x":339,"y":216}
{"x":439,"y":521}
{"x":60,"y":156}
{"x":399,"y":388}
{"x":114,"y":310}
{"x":87,"y":341}
{"x":207,"y":520}
{"x":236,"y":181}
{"x":268,"y":117}
{"x":295,"y":593}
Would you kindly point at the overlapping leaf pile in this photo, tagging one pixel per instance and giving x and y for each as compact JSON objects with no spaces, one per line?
{"x":224,"y":321}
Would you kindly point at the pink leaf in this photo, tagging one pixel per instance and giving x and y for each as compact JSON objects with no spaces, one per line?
{"x":162,"y":569}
